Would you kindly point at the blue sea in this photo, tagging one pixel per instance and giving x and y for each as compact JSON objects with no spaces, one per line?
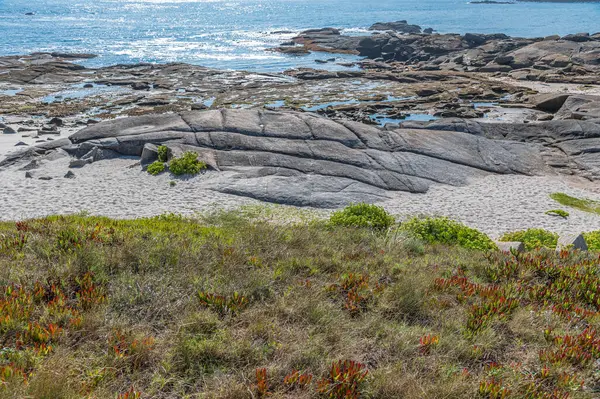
{"x":233,"y":34}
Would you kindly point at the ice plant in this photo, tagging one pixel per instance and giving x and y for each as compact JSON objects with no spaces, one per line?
{"x":344,"y":381}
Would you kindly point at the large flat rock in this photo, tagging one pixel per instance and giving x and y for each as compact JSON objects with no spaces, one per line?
{"x":303,"y":159}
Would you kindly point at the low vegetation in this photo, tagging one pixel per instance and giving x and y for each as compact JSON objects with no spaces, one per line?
{"x":558,"y":212}
{"x":586,"y":205}
{"x":533,"y":238}
{"x":187,"y":164}
{"x":445,"y":231}
{"x":156,"y":168}
{"x":363,"y":215}
{"x":231,"y":306}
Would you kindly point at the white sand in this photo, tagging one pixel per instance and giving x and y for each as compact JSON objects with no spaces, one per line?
{"x":119,"y":188}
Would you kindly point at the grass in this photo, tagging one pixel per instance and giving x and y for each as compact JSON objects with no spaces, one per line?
{"x":233,"y":306}
{"x":583,"y":204}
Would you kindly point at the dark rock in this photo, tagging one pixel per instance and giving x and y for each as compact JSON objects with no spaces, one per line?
{"x":45,"y":178}
{"x":69,"y":175}
{"x":291,"y":50}
{"x":426,"y":92}
{"x":578,"y":37}
{"x":398,"y":26}
{"x":475,"y":39}
{"x":28,"y":175}
{"x":549,"y":102}
{"x":20,"y":143}
{"x":140,"y":86}
{"x":322,"y":31}
{"x":9,"y":130}
{"x":88,"y":86}
{"x":56,"y":122}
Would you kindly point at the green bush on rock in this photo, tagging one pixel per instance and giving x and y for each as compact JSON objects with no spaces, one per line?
{"x":156,"y":168}
{"x":363,"y":215}
{"x":445,"y":231}
{"x":186,"y":164}
{"x":533,"y":238}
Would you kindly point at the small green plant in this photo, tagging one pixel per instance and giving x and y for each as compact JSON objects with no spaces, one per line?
{"x":363,"y":215}
{"x":445,"y":231}
{"x":558,"y":212}
{"x":187,"y":164}
{"x":163,"y":153}
{"x":172,"y":183}
{"x":586,"y":205}
{"x":533,"y":238}
{"x":156,"y":168}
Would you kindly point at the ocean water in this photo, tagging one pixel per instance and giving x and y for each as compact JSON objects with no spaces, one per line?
{"x":233,"y":34}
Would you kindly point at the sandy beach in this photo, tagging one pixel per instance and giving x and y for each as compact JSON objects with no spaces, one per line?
{"x":120,"y":188}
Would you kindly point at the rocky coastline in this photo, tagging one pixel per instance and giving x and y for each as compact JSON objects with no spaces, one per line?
{"x":422,"y":113}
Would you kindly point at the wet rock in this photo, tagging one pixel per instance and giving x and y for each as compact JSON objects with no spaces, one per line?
{"x":45,"y":178}
{"x":88,"y":86}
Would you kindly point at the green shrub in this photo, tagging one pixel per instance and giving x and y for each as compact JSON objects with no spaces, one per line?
{"x":592,"y":239}
{"x":156,"y":168}
{"x":186,"y":164}
{"x":445,"y":231}
{"x":163,"y":153}
{"x":363,"y":215}
{"x":533,"y":238}
{"x":558,"y":212}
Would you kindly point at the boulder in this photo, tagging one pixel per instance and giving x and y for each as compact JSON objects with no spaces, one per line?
{"x":571,"y":241}
{"x":149,"y":154}
{"x":56,"y":122}
{"x":9,"y":130}
{"x":79,"y":163}
{"x":509,"y":246}
{"x":578,"y":37}
{"x":551,"y":102}
{"x":580,"y":107}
